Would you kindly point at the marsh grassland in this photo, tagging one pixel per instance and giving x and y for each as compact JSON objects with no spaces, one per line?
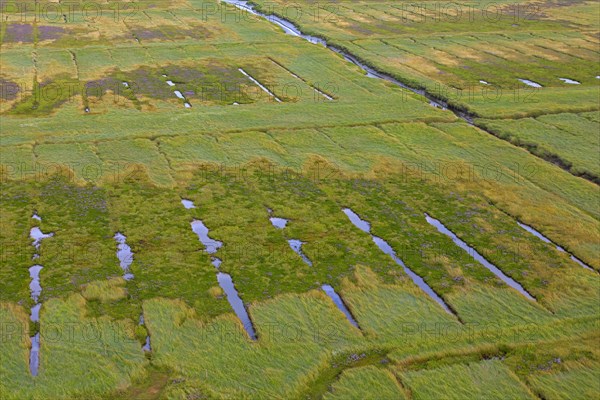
{"x":151,"y":154}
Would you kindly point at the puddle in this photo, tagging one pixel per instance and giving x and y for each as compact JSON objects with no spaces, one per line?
{"x":37,"y":235}
{"x":202,"y":231}
{"x":36,"y":216}
{"x":170,"y":83}
{"x":279,"y":223}
{"x":530,"y":83}
{"x":260,"y":85}
{"x":484,"y":82}
{"x":387,"y":249}
{"x":36,"y":290}
{"x":473,"y":253}
{"x":187,"y":105}
{"x":236,"y":302}
{"x":325,"y":95}
{"x":543,"y":238}
{"x":296,"y":245}
{"x":570,"y":81}
{"x":357,"y":221}
{"x":216,"y":262}
{"x":125,"y":255}
{"x":188,"y":204}
{"x":179,"y":95}
{"x":146,"y":347}
{"x":87,"y":110}
{"x":330,"y":291}
{"x":125,"y":84}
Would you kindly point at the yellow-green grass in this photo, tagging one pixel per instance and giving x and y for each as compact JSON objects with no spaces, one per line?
{"x":487,"y":379}
{"x":79,"y":357}
{"x":565,"y":138}
{"x":365,"y":383}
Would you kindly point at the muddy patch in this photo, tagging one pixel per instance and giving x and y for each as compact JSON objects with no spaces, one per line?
{"x":18,"y":33}
{"x":46,"y":32}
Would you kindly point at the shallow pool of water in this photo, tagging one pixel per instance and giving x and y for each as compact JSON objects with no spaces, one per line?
{"x":201,"y":230}
{"x":530,"y":83}
{"x":279,"y":223}
{"x":37,"y":235}
{"x":188,"y":204}
{"x":357,"y":221}
{"x":570,"y":81}
{"x":296,"y":245}
{"x":125,"y":255}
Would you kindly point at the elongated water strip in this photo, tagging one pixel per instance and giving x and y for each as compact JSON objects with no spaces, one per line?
{"x":473,"y":253}
{"x":330,"y":291}
{"x":225,"y":280}
{"x":260,"y":85}
{"x":543,"y":238}
{"x":236,"y":302}
{"x":387,"y":249}
{"x":125,"y":255}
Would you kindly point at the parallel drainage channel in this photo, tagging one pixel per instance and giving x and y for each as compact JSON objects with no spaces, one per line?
{"x":387,"y":249}
{"x":177,"y":93}
{"x":35,"y":287}
{"x":295,"y":244}
{"x":260,"y":85}
{"x":478,"y":257}
{"x":546,"y":240}
{"x":293,"y":30}
{"x":125,"y":256}
{"x":330,"y":291}
{"x":316,"y":90}
{"x":225,"y":281}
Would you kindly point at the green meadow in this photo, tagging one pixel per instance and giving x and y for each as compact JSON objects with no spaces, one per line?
{"x":107,"y":124}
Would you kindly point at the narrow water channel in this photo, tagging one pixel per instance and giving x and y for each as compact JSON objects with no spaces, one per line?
{"x":225,"y":281}
{"x":330,"y":291}
{"x":35,"y":287}
{"x":543,"y":238}
{"x":387,"y":249}
{"x":478,"y":257}
{"x":125,"y":255}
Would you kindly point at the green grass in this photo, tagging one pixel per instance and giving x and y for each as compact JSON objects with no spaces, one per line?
{"x":487,"y":379}
{"x":366,"y":383}
{"x":125,"y":165}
